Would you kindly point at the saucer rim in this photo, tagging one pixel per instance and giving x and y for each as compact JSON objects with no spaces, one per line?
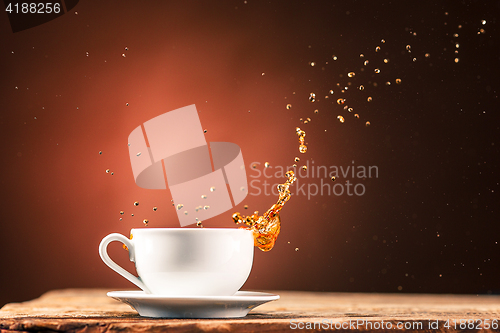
{"x":244,"y":296}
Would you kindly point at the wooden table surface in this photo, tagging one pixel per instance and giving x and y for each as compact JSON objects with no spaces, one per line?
{"x":90,"y":310}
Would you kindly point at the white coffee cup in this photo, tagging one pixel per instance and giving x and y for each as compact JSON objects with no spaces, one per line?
{"x":186,"y":262}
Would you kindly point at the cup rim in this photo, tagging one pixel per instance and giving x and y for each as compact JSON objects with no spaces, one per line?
{"x":190,"y":229}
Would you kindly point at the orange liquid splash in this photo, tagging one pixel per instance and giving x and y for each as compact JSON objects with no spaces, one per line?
{"x":266,"y":228}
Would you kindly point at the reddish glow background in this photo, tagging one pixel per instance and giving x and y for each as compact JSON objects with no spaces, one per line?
{"x":437,"y":152}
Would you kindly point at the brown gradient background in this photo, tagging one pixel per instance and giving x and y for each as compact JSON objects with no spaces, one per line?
{"x":428,"y":223}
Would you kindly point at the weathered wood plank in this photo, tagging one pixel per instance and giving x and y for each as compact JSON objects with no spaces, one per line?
{"x":90,"y":310}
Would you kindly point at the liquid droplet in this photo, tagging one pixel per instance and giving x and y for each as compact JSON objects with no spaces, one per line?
{"x":100,"y":153}
{"x":351,"y":74}
{"x":107,"y":170}
{"x":483,"y":22}
{"x":366,"y":62}
{"x":185,"y":212}
{"x":242,"y":188}
{"x":155,"y":209}
{"x":145,"y":221}
{"x":340,"y":118}
{"x":398,"y":81}
{"x":457,"y":60}
{"x":408,"y":48}
{"x":212,"y":189}
{"x":297,"y":159}
{"x":312,"y":97}
{"x":206,"y":207}
{"x":136,"y":203}
{"x":304,"y":167}
{"x":301,"y":134}
{"x":267,"y":164}
{"x":386,"y":61}
{"x":139,"y":154}
{"x":312,"y":63}
{"x":376,"y":70}
{"x":334,"y":57}
{"x":369,"y":99}
{"x":179,"y":206}
{"x":203,"y":196}
{"x":333,"y":178}
{"x":367,"y":123}
{"x":361,"y":87}
{"x":377,"y":49}
{"x":246,"y":206}
{"x":340,"y":101}
{"x":288,"y":106}
{"x":296,"y":249}
{"x":331,"y":91}
{"x":356,"y":116}
{"x":122,"y":212}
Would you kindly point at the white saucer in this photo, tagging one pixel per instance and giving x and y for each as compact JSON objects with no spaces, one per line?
{"x":158,"y":306}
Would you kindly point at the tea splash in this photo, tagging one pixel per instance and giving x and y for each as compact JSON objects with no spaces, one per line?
{"x":266,"y":228}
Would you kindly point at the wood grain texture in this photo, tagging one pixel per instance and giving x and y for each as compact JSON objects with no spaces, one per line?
{"x":90,"y":310}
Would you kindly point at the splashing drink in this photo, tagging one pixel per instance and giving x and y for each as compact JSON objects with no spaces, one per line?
{"x":266,"y":228}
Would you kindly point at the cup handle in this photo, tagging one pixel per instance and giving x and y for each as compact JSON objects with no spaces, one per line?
{"x":103,"y":252}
